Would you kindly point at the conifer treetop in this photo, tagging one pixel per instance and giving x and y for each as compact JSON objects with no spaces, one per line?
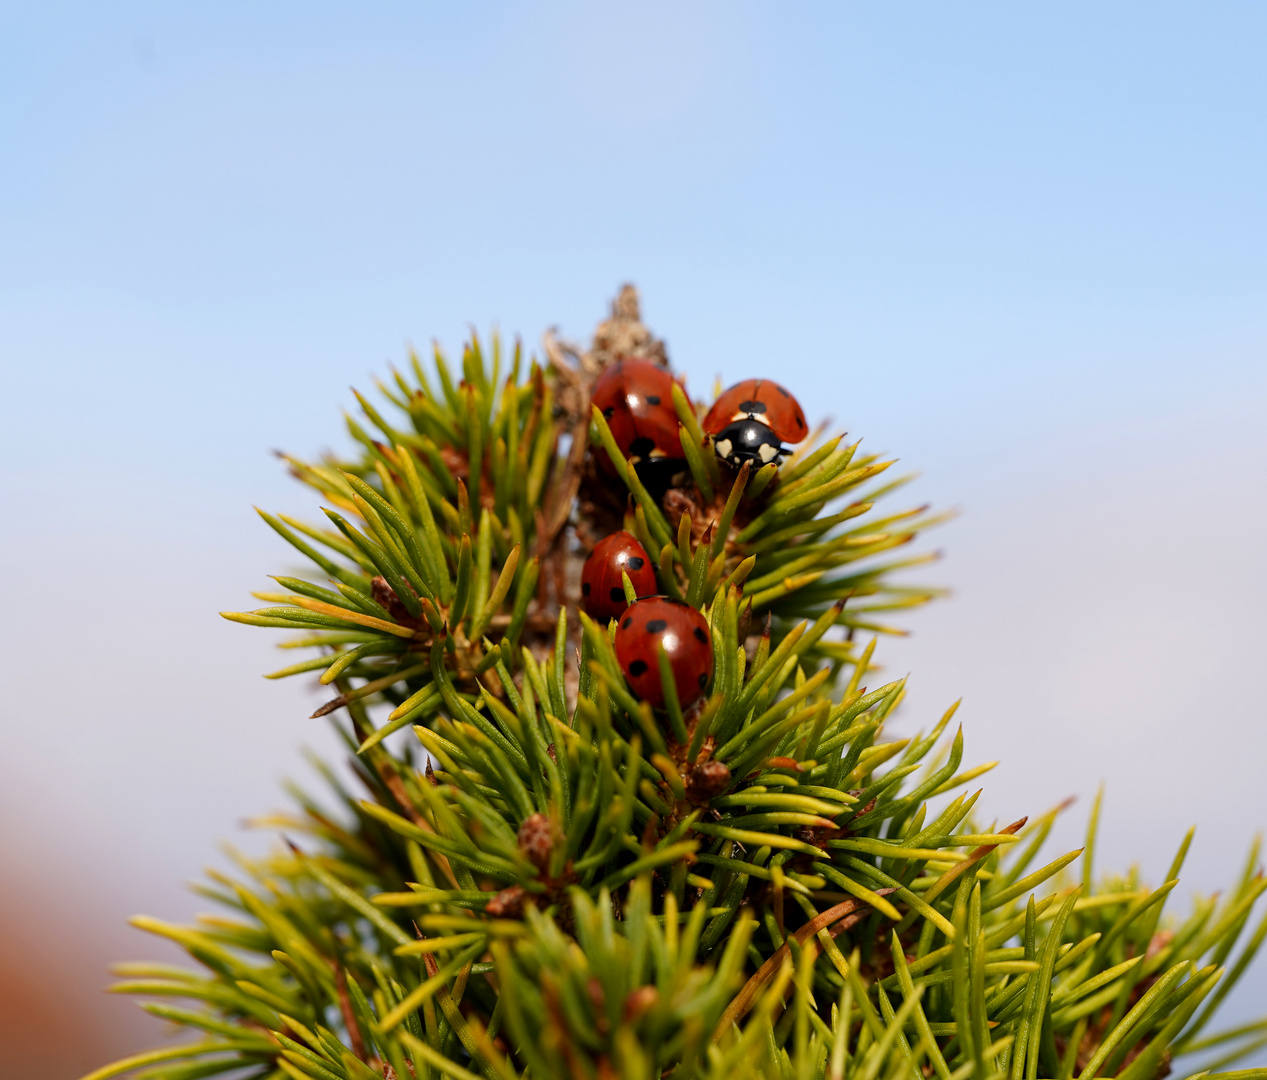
{"x":548,"y":877}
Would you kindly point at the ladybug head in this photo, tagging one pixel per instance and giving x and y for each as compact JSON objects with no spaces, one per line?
{"x":748,"y":439}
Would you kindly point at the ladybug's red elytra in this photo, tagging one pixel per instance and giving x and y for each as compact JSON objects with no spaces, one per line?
{"x":682,"y":631}
{"x":763,"y":400}
{"x":636,"y":399}
{"x":602,"y":590}
{"x":751,"y":421}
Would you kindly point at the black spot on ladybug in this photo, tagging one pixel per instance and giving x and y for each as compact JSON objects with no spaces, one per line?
{"x":617,"y":594}
{"x":656,"y":625}
{"x":627,"y":623}
{"x":637,"y":668}
{"x":703,"y":680}
{"x":780,"y":390}
{"x":609,"y":412}
{"x":700,"y":635}
{"x":641,"y":447}
{"x":635,"y":562}
{"x":799,"y":422}
{"x":653,"y":399}
{"x":585,"y":588}
{"x":751,"y":406}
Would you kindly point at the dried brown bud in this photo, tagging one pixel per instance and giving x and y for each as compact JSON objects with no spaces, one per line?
{"x":706,"y":781}
{"x":507,"y":904}
{"x":638,"y":1002}
{"x":385,"y":596}
{"x":598,"y":998}
{"x":1158,"y":942}
{"x":536,"y":840}
{"x":864,"y":811}
{"x":456,"y":461}
{"x":681,"y":501}
{"x":381,"y":591}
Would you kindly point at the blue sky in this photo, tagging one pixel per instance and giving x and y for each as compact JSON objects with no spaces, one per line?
{"x":1023,"y":249}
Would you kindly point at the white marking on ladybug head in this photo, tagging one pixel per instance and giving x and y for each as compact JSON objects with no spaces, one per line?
{"x":767,"y":452}
{"x":724,"y":448}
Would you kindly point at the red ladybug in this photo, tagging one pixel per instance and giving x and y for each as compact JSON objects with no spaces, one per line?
{"x":683,"y":634}
{"x":636,"y":400}
{"x":752,"y":420}
{"x":748,"y":440}
{"x":759,"y":399}
{"x":602,"y":591}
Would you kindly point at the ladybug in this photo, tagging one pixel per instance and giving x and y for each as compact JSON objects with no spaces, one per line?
{"x":683,"y":634}
{"x":602,"y":591}
{"x":752,"y":420}
{"x":759,"y":399}
{"x":636,"y":400}
{"x":748,"y":440}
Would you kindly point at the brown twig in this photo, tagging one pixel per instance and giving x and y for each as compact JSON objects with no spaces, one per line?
{"x":746,"y":998}
{"x":346,"y":1010}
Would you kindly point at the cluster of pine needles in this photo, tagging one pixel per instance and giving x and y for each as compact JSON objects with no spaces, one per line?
{"x":544,"y":878}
